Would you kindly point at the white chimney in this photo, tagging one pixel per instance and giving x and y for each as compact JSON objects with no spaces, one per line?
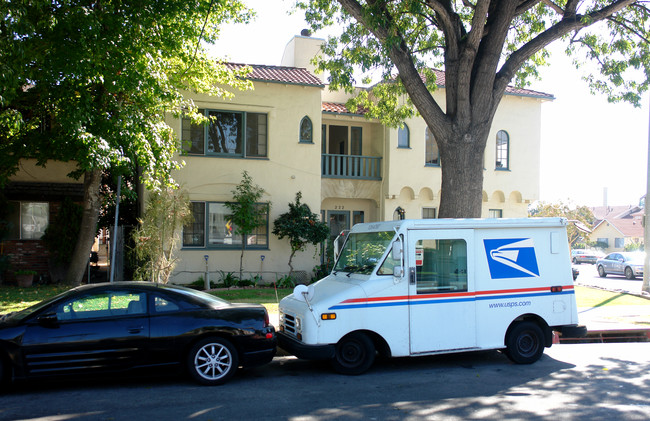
{"x":301,"y":50}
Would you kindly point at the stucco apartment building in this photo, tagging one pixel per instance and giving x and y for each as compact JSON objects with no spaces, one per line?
{"x":291,"y":134}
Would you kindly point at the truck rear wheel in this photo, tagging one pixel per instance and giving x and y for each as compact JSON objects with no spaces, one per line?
{"x":525,"y":343}
{"x":354,"y":354}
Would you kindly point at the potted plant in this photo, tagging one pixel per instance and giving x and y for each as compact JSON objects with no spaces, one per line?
{"x":24,"y":278}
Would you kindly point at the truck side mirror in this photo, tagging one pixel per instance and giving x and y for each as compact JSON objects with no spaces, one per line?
{"x":396,"y":252}
{"x":398,"y":271}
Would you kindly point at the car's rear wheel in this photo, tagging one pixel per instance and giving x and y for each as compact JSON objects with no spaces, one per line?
{"x":525,"y":343}
{"x":629,"y":273}
{"x":601,"y":271}
{"x":354,"y":354}
{"x":212,"y":361}
{"x":575,"y":261}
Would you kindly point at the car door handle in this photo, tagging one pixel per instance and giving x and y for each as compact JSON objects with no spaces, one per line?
{"x":135,"y":329}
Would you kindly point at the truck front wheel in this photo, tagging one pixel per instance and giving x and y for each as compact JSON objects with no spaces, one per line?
{"x":525,"y":343}
{"x":354,"y":355}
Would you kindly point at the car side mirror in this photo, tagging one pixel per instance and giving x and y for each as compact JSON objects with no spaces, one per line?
{"x":48,"y":319}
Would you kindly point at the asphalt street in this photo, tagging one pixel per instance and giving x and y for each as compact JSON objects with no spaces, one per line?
{"x":570,"y":382}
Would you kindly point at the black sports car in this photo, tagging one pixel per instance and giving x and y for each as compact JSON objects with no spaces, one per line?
{"x":121,"y":326}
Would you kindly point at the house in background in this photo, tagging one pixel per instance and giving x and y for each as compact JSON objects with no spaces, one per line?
{"x":618,"y":227}
{"x":292,"y":134}
{"x":33,"y":197}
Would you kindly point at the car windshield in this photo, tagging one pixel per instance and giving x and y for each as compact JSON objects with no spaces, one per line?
{"x":362,"y":251}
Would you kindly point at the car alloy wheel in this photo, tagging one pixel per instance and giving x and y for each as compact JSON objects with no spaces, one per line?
{"x":212,"y":361}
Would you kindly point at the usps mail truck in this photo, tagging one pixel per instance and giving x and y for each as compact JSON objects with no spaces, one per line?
{"x":424,"y":287}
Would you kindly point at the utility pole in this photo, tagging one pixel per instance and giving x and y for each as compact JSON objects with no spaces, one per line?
{"x":646,"y":221}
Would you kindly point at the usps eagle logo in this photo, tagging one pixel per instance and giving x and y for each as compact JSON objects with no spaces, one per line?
{"x":511,"y":258}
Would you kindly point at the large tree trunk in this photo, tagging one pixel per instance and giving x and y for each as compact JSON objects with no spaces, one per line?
{"x":91,"y":205}
{"x":461,"y":161}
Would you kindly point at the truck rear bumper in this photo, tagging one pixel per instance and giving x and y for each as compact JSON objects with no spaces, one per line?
{"x":304,"y":351}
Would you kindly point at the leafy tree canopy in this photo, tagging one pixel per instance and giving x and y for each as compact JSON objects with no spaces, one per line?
{"x":580,"y":218}
{"x":482,"y":46}
{"x":91,"y":81}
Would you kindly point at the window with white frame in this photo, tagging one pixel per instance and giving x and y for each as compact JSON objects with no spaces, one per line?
{"x":503,"y":150}
{"x":211,"y":228}
{"x":227,"y":133}
{"x":28,"y":220}
{"x":403,"y":140}
{"x":432,"y":154}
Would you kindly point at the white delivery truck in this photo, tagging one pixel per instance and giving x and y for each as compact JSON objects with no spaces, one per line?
{"x":424,"y":287}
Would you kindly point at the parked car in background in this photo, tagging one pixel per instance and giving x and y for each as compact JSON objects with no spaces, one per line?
{"x":583,"y":256}
{"x":629,"y":264}
{"x":112,"y":327}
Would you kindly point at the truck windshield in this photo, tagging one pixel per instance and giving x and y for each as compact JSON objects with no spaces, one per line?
{"x":363,"y":251}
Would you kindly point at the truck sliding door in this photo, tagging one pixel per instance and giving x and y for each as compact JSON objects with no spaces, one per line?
{"x":441,"y":299}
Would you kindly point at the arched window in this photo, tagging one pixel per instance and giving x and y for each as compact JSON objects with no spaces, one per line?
{"x":503,"y":150}
{"x":306,"y":130}
{"x":403,"y":135}
{"x":432,"y":154}
{"x":399,"y":214}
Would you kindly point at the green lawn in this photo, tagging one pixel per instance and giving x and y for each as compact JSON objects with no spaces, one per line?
{"x":594,"y":297}
{"x":13,"y":298}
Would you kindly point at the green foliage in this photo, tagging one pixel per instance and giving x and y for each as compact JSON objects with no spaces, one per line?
{"x":228,"y":279}
{"x":482,"y":48}
{"x":580,"y":219}
{"x":157,"y":236}
{"x":286,"y":282}
{"x":255,"y":280}
{"x":101,"y":77}
{"x":93,"y":82}
{"x":301,"y":226}
{"x":246,"y":213}
{"x":61,"y":234}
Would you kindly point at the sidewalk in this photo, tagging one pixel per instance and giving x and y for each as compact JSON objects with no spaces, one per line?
{"x":616,"y":323}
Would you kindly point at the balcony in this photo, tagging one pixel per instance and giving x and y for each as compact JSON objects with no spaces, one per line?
{"x":351,"y":166}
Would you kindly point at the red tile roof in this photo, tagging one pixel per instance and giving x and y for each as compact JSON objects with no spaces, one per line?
{"x":280,"y":74}
{"x":336,"y":108}
{"x":510,"y":90}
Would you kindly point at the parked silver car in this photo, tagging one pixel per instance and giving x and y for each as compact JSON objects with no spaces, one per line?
{"x":629,"y":264}
{"x":583,"y":256}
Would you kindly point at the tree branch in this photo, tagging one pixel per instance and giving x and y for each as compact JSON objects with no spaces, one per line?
{"x":571,"y":22}
{"x":401,"y":57}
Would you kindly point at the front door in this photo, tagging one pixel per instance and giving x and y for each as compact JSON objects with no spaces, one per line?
{"x":442,"y":307}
